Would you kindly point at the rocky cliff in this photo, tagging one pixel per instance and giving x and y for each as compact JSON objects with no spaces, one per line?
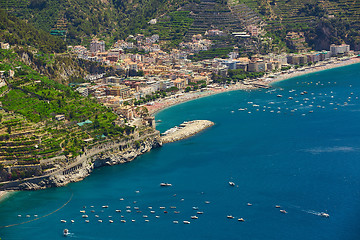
{"x":107,"y":157}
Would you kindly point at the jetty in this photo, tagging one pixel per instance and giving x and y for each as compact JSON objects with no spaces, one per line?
{"x":185,"y":130}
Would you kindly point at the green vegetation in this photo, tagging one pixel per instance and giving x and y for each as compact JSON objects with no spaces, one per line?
{"x":212,"y":53}
{"x":29,"y":131}
{"x":171,"y":28}
{"x":323,"y":22}
{"x":83,"y":19}
{"x":16,"y":31}
{"x":236,"y":75}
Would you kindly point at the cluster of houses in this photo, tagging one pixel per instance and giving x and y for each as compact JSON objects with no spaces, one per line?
{"x":162,"y":70}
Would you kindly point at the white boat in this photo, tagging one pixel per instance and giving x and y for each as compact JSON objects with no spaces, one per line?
{"x":100,"y":221}
{"x":279,"y":95}
{"x":117,"y":210}
{"x":194,"y":217}
{"x":277,"y":206}
{"x":249,"y":204}
{"x":63,"y":221}
{"x":175,"y":222}
{"x":195,"y":208}
{"x":105,"y":206}
{"x":198,"y":212}
{"x":85,"y":216}
{"x":111,"y":221}
{"x":66,"y":232}
{"x":186,"y":222}
{"x":324,"y":214}
{"x":232,"y":184}
{"x":283,"y":211}
{"x":72,"y":221}
{"x":165,"y":184}
{"x":241,"y":220}
{"x":87,"y":221}
{"x":230,"y":216}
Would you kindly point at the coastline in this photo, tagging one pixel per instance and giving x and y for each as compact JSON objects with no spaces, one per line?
{"x":3,"y":194}
{"x":162,"y":104}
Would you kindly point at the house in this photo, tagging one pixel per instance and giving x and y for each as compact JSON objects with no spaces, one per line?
{"x":60,"y":117}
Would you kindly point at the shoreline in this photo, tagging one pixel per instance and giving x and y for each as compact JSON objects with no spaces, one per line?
{"x":3,"y":195}
{"x":162,"y":104}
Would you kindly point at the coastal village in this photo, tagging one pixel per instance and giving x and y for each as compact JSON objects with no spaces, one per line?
{"x":155,"y":73}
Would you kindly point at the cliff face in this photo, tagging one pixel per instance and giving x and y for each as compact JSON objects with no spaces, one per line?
{"x":106,"y":158}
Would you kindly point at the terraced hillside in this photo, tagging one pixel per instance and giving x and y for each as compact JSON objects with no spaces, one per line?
{"x":44,"y":123}
{"x":323,"y":22}
{"x":211,"y":14}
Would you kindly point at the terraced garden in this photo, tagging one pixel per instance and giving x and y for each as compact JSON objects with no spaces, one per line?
{"x":30,"y":135}
{"x":211,"y":15}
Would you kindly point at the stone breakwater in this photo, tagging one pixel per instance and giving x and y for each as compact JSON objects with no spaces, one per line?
{"x":185,"y":130}
{"x":107,"y":155}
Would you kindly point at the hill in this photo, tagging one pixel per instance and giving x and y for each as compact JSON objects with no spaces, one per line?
{"x":83,"y":19}
{"x":323,"y":22}
{"x":43,"y":121}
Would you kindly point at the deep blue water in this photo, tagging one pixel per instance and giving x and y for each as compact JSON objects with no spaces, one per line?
{"x":306,"y":162}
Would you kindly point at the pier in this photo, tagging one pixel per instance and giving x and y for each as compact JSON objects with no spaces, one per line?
{"x":185,"y":130}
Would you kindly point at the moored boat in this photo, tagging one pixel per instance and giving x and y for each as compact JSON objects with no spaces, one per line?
{"x":66,"y":232}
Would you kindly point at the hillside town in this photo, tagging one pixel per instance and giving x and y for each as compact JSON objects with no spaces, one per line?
{"x":151,"y":72}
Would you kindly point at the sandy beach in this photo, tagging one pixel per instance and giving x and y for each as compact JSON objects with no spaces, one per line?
{"x":161,"y":104}
{"x":2,"y":194}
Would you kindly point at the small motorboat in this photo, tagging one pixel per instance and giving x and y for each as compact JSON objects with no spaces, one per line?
{"x":111,"y":221}
{"x":186,"y":222}
{"x":249,"y":204}
{"x":175,"y":222}
{"x":105,"y":206}
{"x":165,"y":184}
{"x":230,"y":216}
{"x":324,"y":215}
{"x":63,"y":221}
{"x":195,"y":208}
{"x":277,"y":206}
{"x":241,"y":220}
{"x":198,"y":212}
{"x":66,"y":232}
{"x":283,"y":211}
{"x":232,"y":184}
{"x":85,"y":216}
{"x":194,"y":217}
{"x":117,"y":210}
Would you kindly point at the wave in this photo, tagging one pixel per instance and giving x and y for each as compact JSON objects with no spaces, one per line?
{"x":343,"y":149}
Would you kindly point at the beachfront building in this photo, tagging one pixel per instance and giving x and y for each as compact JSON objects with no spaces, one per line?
{"x":339,"y":49}
{"x":258,"y":66}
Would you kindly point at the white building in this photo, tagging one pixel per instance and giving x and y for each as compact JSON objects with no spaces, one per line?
{"x":339,"y":49}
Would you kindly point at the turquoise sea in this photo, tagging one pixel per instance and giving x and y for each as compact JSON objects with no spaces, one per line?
{"x":296,"y":145}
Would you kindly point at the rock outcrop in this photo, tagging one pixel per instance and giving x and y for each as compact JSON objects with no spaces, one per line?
{"x":108,"y":157}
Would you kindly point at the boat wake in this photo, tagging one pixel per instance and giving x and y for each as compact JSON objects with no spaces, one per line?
{"x":321,"y":214}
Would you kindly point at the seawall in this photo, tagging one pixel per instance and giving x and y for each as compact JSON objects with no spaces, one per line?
{"x":185,"y":130}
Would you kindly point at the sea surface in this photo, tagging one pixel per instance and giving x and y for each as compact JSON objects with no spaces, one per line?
{"x":296,"y":145}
